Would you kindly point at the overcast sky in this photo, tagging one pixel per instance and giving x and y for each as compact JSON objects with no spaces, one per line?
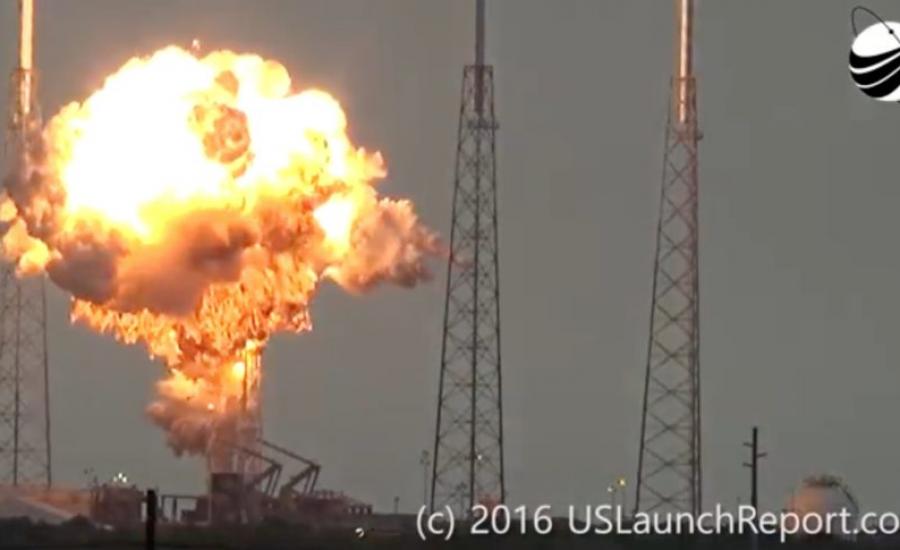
{"x":799,"y":257}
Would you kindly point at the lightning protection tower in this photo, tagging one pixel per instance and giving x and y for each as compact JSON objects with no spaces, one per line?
{"x":468,"y":443}
{"x":24,"y":390}
{"x":669,"y":474}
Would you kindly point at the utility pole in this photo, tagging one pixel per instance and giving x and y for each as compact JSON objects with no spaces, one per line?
{"x":150,"y":522}
{"x":425,"y":463}
{"x":621,"y":485}
{"x":755,"y":455}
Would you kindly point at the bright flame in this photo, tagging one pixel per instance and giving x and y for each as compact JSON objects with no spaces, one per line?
{"x":194,"y":204}
{"x":238,"y":370}
{"x":335,"y":217}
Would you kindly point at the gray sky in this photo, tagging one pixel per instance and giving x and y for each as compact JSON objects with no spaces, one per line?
{"x":798,"y":254}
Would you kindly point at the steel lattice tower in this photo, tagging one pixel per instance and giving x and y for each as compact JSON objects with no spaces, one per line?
{"x":468,"y":445}
{"x":24,"y":389}
{"x":669,"y":473}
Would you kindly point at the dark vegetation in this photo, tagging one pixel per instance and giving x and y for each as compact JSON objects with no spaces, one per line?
{"x":79,"y":533}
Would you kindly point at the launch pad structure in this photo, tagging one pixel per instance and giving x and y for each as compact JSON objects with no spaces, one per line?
{"x":245,"y":482}
{"x":240,"y":423}
{"x":25,"y":452}
{"x":250,"y":478}
{"x":468,"y":465}
{"x":244,"y":470}
{"x":669,"y":474}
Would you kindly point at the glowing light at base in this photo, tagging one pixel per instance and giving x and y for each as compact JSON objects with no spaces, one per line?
{"x":194,"y":204}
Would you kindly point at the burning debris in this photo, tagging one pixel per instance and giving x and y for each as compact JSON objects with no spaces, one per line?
{"x":194,"y":205}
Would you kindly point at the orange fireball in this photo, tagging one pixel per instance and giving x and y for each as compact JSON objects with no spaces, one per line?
{"x":193,"y":204}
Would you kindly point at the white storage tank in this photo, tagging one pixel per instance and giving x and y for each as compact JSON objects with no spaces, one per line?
{"x":821,"y":495}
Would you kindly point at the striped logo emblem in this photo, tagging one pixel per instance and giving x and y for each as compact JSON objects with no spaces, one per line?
{"x":875,"y":58}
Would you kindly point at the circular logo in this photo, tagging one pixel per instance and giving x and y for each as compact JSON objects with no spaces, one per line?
{"x":875,"y":58}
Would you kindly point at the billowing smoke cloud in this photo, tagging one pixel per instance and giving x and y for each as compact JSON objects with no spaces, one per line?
{"x":194,"y":205}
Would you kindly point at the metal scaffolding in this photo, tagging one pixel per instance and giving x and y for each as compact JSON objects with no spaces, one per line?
{"x":468,"y":445}
{"x":669,"y":473}
{"x":24,"y":388}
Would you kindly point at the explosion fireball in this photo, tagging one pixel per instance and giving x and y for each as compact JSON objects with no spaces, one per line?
{"x":194,"y":205}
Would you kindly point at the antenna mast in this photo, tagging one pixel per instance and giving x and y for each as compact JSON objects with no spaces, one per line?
{"x":24,"y":376}
{"x":468,"y":445}
{"x":669,"y":476}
